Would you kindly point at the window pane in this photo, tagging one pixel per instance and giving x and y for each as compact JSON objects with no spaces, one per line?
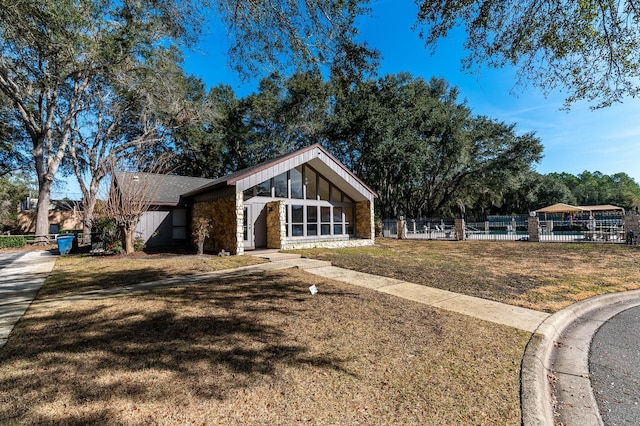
{"x":310,"y":180}
{"x":337,"y":214}
{"x":264,"y":189}
{"x":312,"y":214}
{"x":336,"y":194}
{"x":349,"y":219}
{"x":346,"y":199}
{"x":280,"y":184}
{"x":297,"y":230}
{"x":312,"y":229}
{"x":337,"y":229}
{"x":325,"y":214}
{"x":326,"y":229}
{"x":296,"y":182}
{"x":324,"y":189}
{"x":248,"y":193}
{"x":296,"y":214}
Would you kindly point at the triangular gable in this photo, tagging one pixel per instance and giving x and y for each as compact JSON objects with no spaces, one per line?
{"x":315,"y":155}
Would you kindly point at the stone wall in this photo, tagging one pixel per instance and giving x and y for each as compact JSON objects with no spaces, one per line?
{"x":365,"y":227}
{"x":225,"y":217}
{"x":293,"y":245}
{"x":276,"y":224}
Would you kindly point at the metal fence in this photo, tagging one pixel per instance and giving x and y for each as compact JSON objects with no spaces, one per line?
{"x":421,"y":229}
{"x":514,"y":228}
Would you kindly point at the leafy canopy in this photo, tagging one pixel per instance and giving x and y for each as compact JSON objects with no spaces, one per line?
{"x":589,"y":47}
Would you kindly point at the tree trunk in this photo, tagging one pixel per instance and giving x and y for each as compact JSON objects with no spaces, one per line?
{"x":88,"y":205}
{"x":42,"y":212}
{"x":128,"y":233}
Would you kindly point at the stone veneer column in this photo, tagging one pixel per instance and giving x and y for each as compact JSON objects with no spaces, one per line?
{"x":401,"y":226}
{"x":632,"y":224}
{"x":276,"y":224}
{"x":534,"y":229}
{"x":460,"y":236}
{"x":365,"y":227}
{"x":239,"y":223}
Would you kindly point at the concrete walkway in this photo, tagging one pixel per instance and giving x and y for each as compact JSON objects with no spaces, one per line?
{"x":21,"y":276}
{"x":487,"y":310}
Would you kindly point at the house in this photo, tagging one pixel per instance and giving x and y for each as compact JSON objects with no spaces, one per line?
{"x":164,"y":224}
{"x":303,"y":199}
{"x":64,"y":215}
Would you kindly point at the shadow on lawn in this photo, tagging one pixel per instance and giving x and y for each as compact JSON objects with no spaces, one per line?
{"x":199,"y":341}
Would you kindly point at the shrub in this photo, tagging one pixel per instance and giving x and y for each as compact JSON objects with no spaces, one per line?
{"x":8,"y":241}
{"x":138,"y":244}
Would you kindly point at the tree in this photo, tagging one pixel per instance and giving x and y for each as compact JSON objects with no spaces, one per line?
{"x":590,"y":48}
{"x":130,"y":196}
{"x":13,"y":189}
{"x":128,"y":115}
{"x":51,"y":53}
{"x":424,"y":152}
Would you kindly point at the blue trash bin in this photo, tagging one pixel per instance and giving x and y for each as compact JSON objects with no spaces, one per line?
{"x":64,"y":244}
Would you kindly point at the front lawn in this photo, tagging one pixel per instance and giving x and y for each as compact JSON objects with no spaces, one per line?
{"x":541,"y":276}
{"x":253,"y":350}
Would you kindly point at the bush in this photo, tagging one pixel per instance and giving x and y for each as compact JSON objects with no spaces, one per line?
{"x":138,"y":244}
{"x":7,"y":242}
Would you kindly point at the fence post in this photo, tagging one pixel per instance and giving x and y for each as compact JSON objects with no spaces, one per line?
{"x":402,"y":229}
{"x":631,"y":228}
{"x":460,"y":235}
{"x":534,"y":229}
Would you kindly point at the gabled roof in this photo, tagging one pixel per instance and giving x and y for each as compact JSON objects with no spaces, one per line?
{"x":165,"y":190}
{"x":315,"y":155}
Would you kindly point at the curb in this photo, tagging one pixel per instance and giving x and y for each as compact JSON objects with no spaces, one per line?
{"x":535,"y":391}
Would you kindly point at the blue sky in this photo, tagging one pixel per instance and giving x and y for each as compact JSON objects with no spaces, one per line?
{"x":606,"y":140}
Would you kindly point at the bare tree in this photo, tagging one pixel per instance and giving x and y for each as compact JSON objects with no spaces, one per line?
{"x":131,"y":195}
{"x":126,"y":119}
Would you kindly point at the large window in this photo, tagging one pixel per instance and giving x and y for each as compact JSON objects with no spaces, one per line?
{"x":280,"y":185}
{"x":320,"y":207}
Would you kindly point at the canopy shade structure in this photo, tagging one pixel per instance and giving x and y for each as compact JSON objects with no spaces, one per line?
{"x":561,"y":208}
{"x":603,"y":208}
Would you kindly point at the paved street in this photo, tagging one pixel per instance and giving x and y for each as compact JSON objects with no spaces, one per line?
{"x":615,"y":367}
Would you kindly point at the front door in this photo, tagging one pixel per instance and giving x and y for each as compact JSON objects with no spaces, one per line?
{"x":255,"y":226}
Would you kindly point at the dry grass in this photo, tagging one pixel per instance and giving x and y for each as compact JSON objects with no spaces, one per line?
{"x":78,"y":273}
{"x":541,"y":276}
{"x":258,"y":350}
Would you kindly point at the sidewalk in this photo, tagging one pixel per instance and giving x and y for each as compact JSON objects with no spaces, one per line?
{"x":20,"y":279}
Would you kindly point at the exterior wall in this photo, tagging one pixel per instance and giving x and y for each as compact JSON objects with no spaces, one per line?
{"x":155,"y":228}
{"x":365,"y":227}
{"x":67,"y":220}
{"x":276,"y":223}
{"x":226,"y":223}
